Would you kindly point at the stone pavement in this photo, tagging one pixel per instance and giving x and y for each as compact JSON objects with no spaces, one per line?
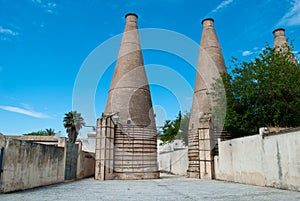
{"x":166,"y":188}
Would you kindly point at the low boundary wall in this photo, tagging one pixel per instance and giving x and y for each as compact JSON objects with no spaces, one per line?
{"x":173,"y":157}
{"x":28,"y":165}
{"x":272,"y":161}
{"x":85,"y":164}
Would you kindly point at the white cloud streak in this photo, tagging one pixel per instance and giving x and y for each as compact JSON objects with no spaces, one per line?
{"x":8,"y":32}
{"x":254,"y":50}
{"x":24,"y":111}
{"x":247,"y":53}
{"x":26,"y":106}
{"x":49,"y":7}
{"x":292,"y":17}
{"x":222,"y":5}
{"x":37,"y":1}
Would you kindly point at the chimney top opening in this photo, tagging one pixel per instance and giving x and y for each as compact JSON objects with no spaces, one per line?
{"x":279,"y":29}
{"x":128,"y":14}
{"x":208,"y":19}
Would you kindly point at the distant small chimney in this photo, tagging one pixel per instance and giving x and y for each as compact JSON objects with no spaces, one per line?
{"x":280,"y":41}
{"x":279,"y":37}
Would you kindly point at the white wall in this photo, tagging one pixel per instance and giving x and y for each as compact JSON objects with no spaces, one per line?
{"x":173,"y":157}
{"x":270,"y":161}
{"x":89,"y":143}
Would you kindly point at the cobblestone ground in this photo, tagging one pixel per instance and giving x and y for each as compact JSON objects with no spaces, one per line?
{"x":166,"y":188}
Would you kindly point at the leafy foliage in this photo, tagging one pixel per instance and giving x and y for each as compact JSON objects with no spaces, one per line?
{"x":177,"y":129}
{"x":50,"y":131}
{"x":184,"y":126}
{"x":262,"y":92}
{"x":47,"y":132}
{"x":73,"y":122}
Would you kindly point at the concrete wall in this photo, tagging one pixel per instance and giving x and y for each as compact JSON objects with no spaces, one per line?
{"x":27,"y":165}
{"x":173,"y":157}
{"x":85,"y":164}
{"x":270,"y":161}
{"x":85,"y":160}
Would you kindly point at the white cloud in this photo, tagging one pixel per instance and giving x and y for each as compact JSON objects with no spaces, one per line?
{"x":24,"y":111}
{"x":247,"y":53}
{"x":222,"y":5}
{"x":49,"y":7}
{"x":26,"y":106}
{"x":8,"y":31}
{"x":292,"y":17}
{"x":37,"y":1}
{"x":7,"y":34}
{"x":254,"y":50}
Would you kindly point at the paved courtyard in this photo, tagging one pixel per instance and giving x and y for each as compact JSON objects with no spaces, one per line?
{"x":166,"y":188}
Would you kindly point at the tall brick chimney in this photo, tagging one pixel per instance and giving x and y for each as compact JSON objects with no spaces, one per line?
{"x":210,"y":64}
{"x":127,"y":148}
{"x":129,"y":93}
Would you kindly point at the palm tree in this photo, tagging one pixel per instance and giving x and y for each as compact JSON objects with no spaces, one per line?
{"x":73,"y":122}
{"x":50,"y":132}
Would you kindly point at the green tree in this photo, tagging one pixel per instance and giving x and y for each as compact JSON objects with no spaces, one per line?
{"x":73,"y":122}
{"x":176,"y":129}
{"x":184,"y":126}
{"x":47,"y":132}
{"x":262,"y":92}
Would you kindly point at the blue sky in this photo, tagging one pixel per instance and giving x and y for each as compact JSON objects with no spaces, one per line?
{"x":44,"y":43}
